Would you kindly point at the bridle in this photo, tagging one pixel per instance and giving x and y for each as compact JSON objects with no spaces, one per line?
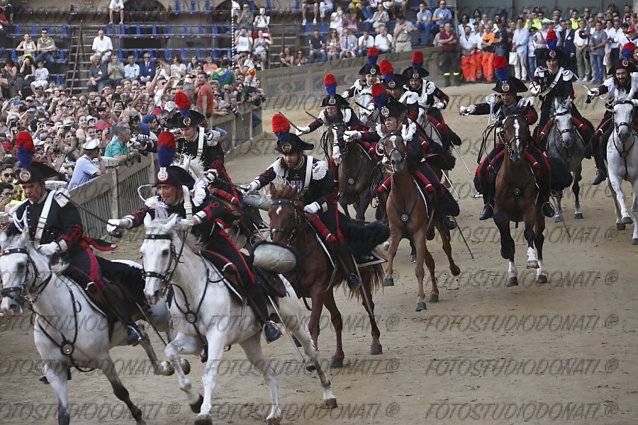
{"x":295,"y":230}
{"x":173,"y":261}
{"x":516,"y":149}
{"x":388,"y":155}
{"x":617,"y":125}
{"x":21,"y":293}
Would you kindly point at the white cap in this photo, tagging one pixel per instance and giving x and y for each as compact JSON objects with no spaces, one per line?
{"x":91,"y":144}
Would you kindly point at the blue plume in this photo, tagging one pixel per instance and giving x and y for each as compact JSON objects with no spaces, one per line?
{"x":551,"y":44}
{"x":331,"y":89}
{"x":165,"y":155}
{"x":501,"y":73}
{"x":25,"y":157}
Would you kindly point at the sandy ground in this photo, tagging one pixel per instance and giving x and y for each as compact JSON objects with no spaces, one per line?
{"x":563,"y":352}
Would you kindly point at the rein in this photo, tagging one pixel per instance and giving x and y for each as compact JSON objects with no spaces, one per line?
{"x":624,"y":153}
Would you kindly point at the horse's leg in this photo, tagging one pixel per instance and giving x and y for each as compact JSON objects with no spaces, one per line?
{"x":292,"y":315}
{"x":558,"y":216}
{"x":507,"y":247}
{"x":108,"y":368}
{"x":337,"y":324}
{"x":446,"y":239}
{"x":317,"y":298}
{"x":619,"y":225}
{"x":395,"y":238}
{"x":57,"y":376}
{"x":365,"y":291}
{"x":634,"y":211}
{"x":343,"y":201}
{"x":616,"y":184}
{"x":429,"y":262}
{"x":539,"y":239}
{"x":184,"y":344}
{"x":215,"y":341}
{"x":252,"y":348}
{"x":576,"y":189}
{"x":418,"y":241}
{"x":158,"y":368}
{"x":532,"y":261}
{"x":364,"y":200}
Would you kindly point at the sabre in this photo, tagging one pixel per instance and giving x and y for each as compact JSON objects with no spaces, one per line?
{"x":274,"y":306}
{"x":117,"y":234}
{"x":463,"y":237}
{"x":451,"y":185}
{"x":289,"y":122}
{"x":588,"y":99}
{"x":312,"y":116}
{"x":462,"y":160}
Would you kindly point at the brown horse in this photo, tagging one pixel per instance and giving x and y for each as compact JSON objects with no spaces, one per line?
{"x":516,"y":197}
{"x":355,"y":167}
{"x":316,"y":275}
{"x":411,"y":218}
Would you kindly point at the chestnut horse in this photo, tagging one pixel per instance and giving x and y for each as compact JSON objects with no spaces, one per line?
{"x":410,"y":217}
{"x":315,"y":275}
{"x":515,"y":197}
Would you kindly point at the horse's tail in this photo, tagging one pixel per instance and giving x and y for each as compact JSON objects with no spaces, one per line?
{"x":371,"y":279}
{"x":363,"y":239}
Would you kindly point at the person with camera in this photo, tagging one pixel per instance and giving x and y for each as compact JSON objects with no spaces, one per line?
{"x":85,"y":168}
{"x":118,"y":146}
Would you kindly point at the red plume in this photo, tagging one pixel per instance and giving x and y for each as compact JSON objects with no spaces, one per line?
{"x":551,"y":35}
{"x":377,"y":89}
{"x":329,"y":79}
{"x":499,"y":61}
{"x":417,"y":57}
{"x":386,"y":67}
{"x":166,"y":138}
{"x":280,"y":123}
{"x":181,"y":100}
{"x":631,"y":46}
{"x":24,"y":139}
{"x":372,"y":51}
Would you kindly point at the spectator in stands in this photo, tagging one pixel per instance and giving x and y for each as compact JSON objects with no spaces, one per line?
{"x":364,"y":43}
{"x":115,"y":71}
{"x":336,"y":20}
{"x":566,"y":43}
{"x":223,"y":74}
{"x":26,"y":74}
{"x":325,"y":9}
{"x":450,"y":59}
{"x":9,"y":79}
{"x":380,"y":19}
{"x":261,"y":46}
{"x":300,"y":59}
{"x":597,"y":43}
{"x":403,"y":31}
{"x":440,"y":16}
{"x":41,"y":77}
{"x":286,"y":59}
{"x":519,"y":45}
{"x":581,"y":43}
{"x":117,"y":147}
{"x":147,"y":69}
{"x":305,"y":4}
{"x":204,"y":94}
{"x":116,"y":6}
{"x":350,"y":20}
{"x":348,"y":44}
{"x":131,"y":69}
{"x":469,"y":65}
{"x":6,"y":196}
{"x":178,"y":69}
{"x":3,"y":33}
{"x":245,"y":20}
{"x":85,"y":169}
{"x":45,"y":48}
{"x":193,"y":65}
{"x":243,"y":43}
{"x":27,"y":47}
{"x":316,"y":48}
{"x":333,"y":46}
{"x":102,"y":46}
{"x":383,"y":41}
{"x":209,"y":66}
{"x":97,"y":74}
{"x":423,"y":24}
{"x":261,"y":23}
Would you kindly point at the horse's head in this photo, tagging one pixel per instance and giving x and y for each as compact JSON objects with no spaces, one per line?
{"x":623,"y":117}
{"x":563,"y":119}
{"x":393,"y":151}
{"x":334,"y":137}
{"x":516,"y":132}
{"x":159,"y":256}
{"x":18,"y":270}
{"x":285,"y":212}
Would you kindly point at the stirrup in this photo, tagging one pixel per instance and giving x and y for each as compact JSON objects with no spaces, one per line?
{"x":134,"y":336}
{"x":548,"y":209}
{"x":271,"y":332}
{"x":353,"y":281}
{"x":601,"y":175}
{"x":488,"y":212}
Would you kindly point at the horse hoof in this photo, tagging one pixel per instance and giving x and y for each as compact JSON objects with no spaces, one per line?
{"x":331,"y":403}
{"x":336,"y":363}
{"x":420,"y":306}
{"x":558,"y":219}
{"x":455,"y":270}
{"x":273,"y":421}
{"x":204,"y":420}
{"x":197,"y":406}
{"x":512,"y":281}
{"x":620,"y":226}
{"x":434,"y":298}
{"x":310,"y":366}
{"x":413,"y":258}
{"x":626,"y":220}
{"x":533,"y":264}
{"x":388,"y":281}
{"x":185,"y":365}
{"x":634,"y":241}
{"x":541,"y":278}
{"x":166,"y":369}
{"x":376,"y":349}
{"x":578,"y":216}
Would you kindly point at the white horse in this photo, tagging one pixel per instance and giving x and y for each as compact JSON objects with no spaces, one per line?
{"x":563,"y":141}
{"x":207,"y":317}
{"x":62,"y":311}
{"x":622,"y":163}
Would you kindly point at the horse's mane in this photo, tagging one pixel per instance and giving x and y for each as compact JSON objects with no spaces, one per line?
{"x":513,"y":110}
{"x":15,"y":241}
{"x":282,"y":189}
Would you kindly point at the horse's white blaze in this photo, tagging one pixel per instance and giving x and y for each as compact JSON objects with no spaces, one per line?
{"x":278,"y":210}
{"x":517,"y":127}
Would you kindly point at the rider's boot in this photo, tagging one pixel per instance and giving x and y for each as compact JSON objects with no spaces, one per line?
{"x":258,"y":303}
{"x":601,"y":173}
{"x":116,"y":304}
{"x":352,"y":276}
{"x":488,"y":201}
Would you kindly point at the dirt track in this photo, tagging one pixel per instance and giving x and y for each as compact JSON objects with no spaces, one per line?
{"x":563,"y":352}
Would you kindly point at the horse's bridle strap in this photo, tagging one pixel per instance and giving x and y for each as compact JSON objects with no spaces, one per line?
{"x":14,"y":251}
{"x":157,"y":236}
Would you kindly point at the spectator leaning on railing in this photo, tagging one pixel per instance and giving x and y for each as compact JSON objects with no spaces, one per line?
{"x":85,"y":169}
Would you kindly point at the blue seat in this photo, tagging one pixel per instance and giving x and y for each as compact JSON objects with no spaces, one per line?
{"x":14,"y":58}
{"x":63,"y":31}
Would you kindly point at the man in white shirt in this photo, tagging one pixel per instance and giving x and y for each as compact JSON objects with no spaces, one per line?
{"x":468,"y":48}
{"x":131,"y":69}
{"x":116,"y":6}
{"x":383,"y":41}
{"x":403,"y":32}
{"x":102,"y":46}
{"x":613,"y":34}
{"x":85,"y":169}
{"x":519,"y":45}
{"x":365,"y":42}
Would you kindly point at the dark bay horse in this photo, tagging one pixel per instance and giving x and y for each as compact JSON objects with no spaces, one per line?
{"x":411,"y":217}
{"x":316,"y":275}
{"x":355,"y":168}
{"x":515,"y":197}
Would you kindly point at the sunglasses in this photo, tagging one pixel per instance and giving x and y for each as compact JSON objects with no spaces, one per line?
{"x":8,"y":175}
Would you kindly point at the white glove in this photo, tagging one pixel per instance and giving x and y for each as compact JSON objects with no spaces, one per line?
{"x":466,"y":110}
{"x":49,"y":249}
{"x":210,"y":176}
{"x":303,"y":130}
{"x":336,"y":154}
{"x":115,"y":223}
{"x":351,"y":135}
{"x":345,"y":94}
{"x":535,"y":89}
{"x":593,"y":92}
{"x":378,"y":148}
{"x":312,"y":208}
{"x":439,"y":105}
{"x":252,"y":187}
{"x":186,"y":224}
{"x":635,"y":102}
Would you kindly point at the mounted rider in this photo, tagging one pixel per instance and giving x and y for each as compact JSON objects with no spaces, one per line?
{"x":553,"y":81}
{"x":416,"y":145}
{"x":55,"y":228}
{"x":508,"y":88}
{"x":394,"y":84}
{"x":317,"y":187}
{"x":428,"y":92}
{"x":361,"y":88}
{"x":624,"y":80}
{"x":206,"y":216}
